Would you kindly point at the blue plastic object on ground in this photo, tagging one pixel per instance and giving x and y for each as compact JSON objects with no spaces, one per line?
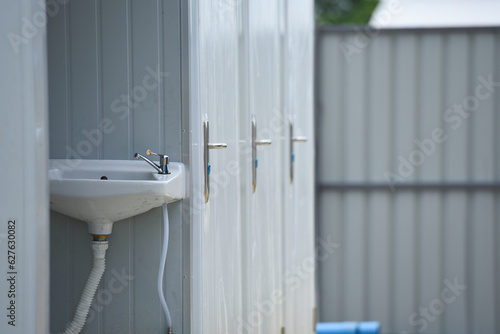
{"x":336,"y":327}
{"x":370,"y":327}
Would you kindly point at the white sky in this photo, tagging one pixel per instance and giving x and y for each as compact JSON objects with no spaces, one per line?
{"x":436,"y":13}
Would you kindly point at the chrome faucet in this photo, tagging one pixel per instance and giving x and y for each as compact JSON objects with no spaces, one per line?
{"x":162,"y":168}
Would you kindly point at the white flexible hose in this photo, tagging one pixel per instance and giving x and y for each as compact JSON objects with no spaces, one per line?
{"x":88,"y":293}
{"x":163,"y":261}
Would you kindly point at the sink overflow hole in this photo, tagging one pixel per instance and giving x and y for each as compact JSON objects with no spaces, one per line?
{"x":104,"y":177}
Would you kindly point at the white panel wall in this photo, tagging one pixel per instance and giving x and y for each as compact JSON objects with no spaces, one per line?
{"x":220,"y":24}
{"x":24,"y":214}
{"x":299,"y":256}
{"x":381,"y":94}
{"x":253,"y":59}
{"x":264,"y":248}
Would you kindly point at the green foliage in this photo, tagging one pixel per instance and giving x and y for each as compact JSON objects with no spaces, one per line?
{"x":329,"y":12}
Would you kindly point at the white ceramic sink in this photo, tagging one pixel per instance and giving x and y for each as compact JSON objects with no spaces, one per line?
{"x":101,"y":192}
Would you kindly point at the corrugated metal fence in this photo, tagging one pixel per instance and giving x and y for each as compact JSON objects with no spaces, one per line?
{"x":408,"y":162}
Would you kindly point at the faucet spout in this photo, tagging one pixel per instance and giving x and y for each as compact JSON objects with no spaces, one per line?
{"x":162,"y":168}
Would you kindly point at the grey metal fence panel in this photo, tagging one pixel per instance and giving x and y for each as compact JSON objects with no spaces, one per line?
{"x":408,"y":177}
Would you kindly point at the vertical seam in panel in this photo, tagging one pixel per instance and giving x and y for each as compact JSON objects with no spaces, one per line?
{"x":416,"y":224}
{"x":418,"y":196}
{"x":342,"y":116}
{"x":366,"y":103}
{"x":418,"y":92}
{"x":161,"y":112}
{"x":496,"y":259}
{"x":496,"y":270}
{"x":98,"y":55}
{"x":391,"y":149}
{"x":497,"y":131}
{"x":316,"y":110}
{"x":342,"y":281}
{"x":131,"y":260}
{"x":367,"y":195}
{"x":130,"y":77}
{"x":442,"y":38}
{"x":445,"y":196}
{"x":470,"y":127}
{"x":98,"y":37}
{"x":160,"y":243}
{"x":131,"y":264}
{"x":365,"y":270}
{"x":444,"y":72}
{"x":469,"y":230}
{"x":67,"y":32}
{"x":69,"y":227}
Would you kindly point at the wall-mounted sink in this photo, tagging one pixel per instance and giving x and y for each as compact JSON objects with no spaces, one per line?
{"x":101,"y":192}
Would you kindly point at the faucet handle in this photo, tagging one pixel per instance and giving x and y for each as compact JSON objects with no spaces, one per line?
{"x":163,"y":157}
{"x":149,"y":152}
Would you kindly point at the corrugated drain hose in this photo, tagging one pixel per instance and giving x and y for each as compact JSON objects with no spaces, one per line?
{"x":99,"y":248}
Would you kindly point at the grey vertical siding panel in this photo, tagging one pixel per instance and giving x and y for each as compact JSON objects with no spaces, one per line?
{"x":429,"y":258}
{"x":455,"y":317}
{"x":378,"y":239}
{"x":354,"y":266}
{"x":378,"y":109}
{"x":483,"y":279}
{"x":84,"y":77}
{"x":171,"y":58}
{"x":330,"y":267}
{"x":330,"y":120}
{"x":429,"y":102}
{"x":400,"y":249}
{"x":497,"y":259}
{"x":114,"y":79}
{"x":59,"y":88}
{"x":404,"y":249}
{"x":354,"y":160}
{"x":355,"y":112}
{"x":406,"y":73}
{"x":115,"y":58}
{"x":379,"y":244}
{"x":330,"y":123}
{"x":497,"y":196}
{"x":496,"y":74}
{"x":145,"y":114}
{"x":146,"y":134}
{"x":404,"y":289}
{"x":83,"y":109}
{"x":456,"y":69}
{"x":482,"y":117}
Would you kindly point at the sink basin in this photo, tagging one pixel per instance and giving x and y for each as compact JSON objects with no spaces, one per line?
{"x":101,"y":192}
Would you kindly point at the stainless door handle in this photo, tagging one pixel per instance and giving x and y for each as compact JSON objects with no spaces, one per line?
{"x":297,"y":139}
{"x":255,"y":161}
{"x":217,"y":146}
{"x":206,"y":157}
{"x":264,"y":142}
